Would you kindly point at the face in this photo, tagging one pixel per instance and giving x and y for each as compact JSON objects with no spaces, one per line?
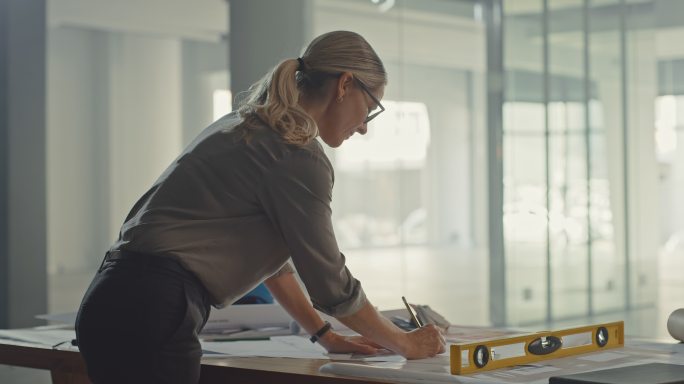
{"x":346,"y":117}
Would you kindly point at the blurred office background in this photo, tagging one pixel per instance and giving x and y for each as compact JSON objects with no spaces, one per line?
{"x":526,"y":172}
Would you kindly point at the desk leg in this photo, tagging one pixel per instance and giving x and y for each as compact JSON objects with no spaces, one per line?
{"x":61,"y":377}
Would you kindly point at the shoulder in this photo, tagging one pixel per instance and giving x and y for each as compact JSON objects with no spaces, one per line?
{"x":279,"y":157}
{"x":264,"y":136}
{"x":307,"y":161}
{"x":303,"y":171}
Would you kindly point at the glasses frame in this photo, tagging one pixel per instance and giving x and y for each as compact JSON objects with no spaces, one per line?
{"x":375,"y":114}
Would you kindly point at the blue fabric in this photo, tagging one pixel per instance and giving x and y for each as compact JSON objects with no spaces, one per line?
{"x":258,"y":295}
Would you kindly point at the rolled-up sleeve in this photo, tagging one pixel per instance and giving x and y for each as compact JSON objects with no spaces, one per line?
{"x":296,"y":196}
{"x":286,"y":268}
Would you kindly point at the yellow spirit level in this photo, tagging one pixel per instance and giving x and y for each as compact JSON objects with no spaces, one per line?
{"x":485,"y":355}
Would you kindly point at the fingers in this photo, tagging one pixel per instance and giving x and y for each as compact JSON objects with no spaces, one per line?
{"x":365,"y":341}
{"x":427,"y":341}
{"x":362,"y":345}
{"x":367,"y":350}
{"x":375,"y":345}
{"x":441,"y":348}
{"x":436,"y":340}
{"x":442,"y":342}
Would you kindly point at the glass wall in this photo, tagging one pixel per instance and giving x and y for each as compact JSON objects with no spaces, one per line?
{"x":579,"y":193}
{"x":409,"y":201}
{"x":669,"y":148}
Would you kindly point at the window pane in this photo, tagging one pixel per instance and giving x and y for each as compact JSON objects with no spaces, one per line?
{"x":411,"y":194}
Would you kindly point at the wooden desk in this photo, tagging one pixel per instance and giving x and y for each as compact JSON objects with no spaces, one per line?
{"x":68,"y":367}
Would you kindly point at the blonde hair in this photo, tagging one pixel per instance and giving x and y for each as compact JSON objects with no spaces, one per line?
{"x":275,"y":98}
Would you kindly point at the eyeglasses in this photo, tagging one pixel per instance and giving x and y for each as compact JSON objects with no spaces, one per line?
{"x":373,"y":115}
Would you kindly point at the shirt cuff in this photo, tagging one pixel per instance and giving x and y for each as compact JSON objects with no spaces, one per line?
{"x":286,"y":268}
{"x":348,"y":307}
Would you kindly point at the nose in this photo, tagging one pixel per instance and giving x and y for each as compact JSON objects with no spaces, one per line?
{"x":363,"y":129}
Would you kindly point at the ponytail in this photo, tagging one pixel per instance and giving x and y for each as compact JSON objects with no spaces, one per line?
{"x":275,"y":100}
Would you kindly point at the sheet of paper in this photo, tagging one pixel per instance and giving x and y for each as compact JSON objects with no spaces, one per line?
{"x":279,"y":346}
{"x":300,"y":343}
{"x":249,"y":334}
{"x":248,"y":316}
{"x":388,"y":357}
{"x":298,"y":347}
{"x":381,"y":356}
{"x":601,"y":356}
{"x":44,"y":336}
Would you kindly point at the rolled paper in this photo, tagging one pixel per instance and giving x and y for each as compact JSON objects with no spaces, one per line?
{"x":675,"y":324}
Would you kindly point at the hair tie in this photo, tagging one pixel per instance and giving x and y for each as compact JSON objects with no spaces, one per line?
{"x":301,"y":67}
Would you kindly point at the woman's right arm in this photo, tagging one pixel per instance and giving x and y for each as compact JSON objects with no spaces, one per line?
{"x":296,"y":195}
{"x":423,"y":342}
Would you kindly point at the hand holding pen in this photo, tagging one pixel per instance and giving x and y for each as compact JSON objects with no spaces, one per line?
{"x":425,"y":341}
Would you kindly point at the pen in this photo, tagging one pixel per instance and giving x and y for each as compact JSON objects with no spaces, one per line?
{"x":414,"y":318}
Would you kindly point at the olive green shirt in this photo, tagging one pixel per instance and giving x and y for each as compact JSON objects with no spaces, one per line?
{"x":234,"y":211}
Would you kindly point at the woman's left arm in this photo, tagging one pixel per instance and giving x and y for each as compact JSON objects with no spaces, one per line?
{"x":287,"y":291}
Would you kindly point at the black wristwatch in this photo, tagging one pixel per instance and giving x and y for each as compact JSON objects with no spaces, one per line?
{"x":316,"y":336}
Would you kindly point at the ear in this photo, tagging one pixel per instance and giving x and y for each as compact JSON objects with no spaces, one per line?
{"x":344,"y":84}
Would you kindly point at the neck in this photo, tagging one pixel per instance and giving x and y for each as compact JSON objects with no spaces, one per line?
{"x":315,"y":109}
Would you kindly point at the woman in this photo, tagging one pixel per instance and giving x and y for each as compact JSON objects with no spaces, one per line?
{"x":252,"y":192}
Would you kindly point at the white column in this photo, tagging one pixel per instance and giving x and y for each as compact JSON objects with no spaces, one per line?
{"x":262,"y":33}
{"x":144,"y":116}
{"x":23,"y":291}
{"x":642,"y":183}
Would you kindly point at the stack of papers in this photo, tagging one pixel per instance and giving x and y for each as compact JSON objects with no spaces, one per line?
{"x":244,"y":334}
{"x":248,"y":316}
{"x":44,"y":336}
{"x":297,"y":347}
{"x":248,"y":322}
{"x":277,"y":346}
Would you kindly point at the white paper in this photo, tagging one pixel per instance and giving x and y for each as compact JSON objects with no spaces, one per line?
{"x":42,"y":336}
{"x":391,"y":357}
{"x":280,"y":346}
{"x":382,"y":356}
{"x":248,"y":316}
{"x":243,"y":335}
{"x":601,"y":357}
{"x":297,"y":347}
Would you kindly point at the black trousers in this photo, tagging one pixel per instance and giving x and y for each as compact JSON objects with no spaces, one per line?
{"x":139,"y":320}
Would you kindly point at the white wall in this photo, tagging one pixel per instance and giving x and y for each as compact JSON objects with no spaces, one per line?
{"x":644,"y":231}
{"x":145,"y":115}
{"x":77,"y":131}
{"x":192,"y":19}
{"x":114,"y":123}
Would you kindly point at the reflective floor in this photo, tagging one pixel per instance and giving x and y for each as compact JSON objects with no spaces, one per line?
{"x":455,"y":283}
